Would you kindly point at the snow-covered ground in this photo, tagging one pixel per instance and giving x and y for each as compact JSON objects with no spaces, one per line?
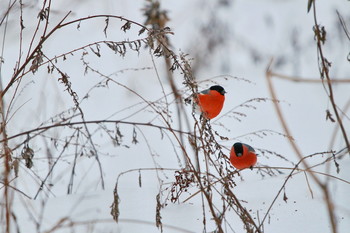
{"x":246,"y":35}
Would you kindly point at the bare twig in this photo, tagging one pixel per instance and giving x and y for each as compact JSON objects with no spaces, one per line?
{"x":306,"y":80}
{"x":323,"y":187}
{"x":44,"y":128}
{"x":52,"y":167}
{"x":324,"y":72}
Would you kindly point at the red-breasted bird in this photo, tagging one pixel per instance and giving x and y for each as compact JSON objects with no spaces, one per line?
{"x":209,"y":102}
{"x":242,"y":156}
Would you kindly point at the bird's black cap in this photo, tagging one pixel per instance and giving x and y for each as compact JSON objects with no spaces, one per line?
{"x":219,"y":89}
{"x":238,"y":147}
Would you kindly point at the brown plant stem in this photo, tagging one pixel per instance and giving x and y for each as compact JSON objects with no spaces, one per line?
{"x":325,"y":71}
{"x":296,"y":149}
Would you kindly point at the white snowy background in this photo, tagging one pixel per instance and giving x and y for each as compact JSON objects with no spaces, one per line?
{"x":249,"y":33}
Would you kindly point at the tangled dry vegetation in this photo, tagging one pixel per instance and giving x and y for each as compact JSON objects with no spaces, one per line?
{"x":203,"y":166}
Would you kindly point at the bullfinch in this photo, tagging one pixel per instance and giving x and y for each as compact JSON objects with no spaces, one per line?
{"x":209,"y":102}
{"x":242,"y":156}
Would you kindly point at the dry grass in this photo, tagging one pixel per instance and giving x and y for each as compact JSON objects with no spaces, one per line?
{"x":203,"y":163}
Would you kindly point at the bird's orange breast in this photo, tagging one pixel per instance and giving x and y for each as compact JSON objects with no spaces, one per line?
{"x":211,"y":104}
{"x":246,"y":160}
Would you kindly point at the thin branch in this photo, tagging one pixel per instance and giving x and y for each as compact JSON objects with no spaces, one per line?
{"x":282,"y":120}
{"x":325,"y":72}
{"x":302,"y":160}
{"x":6,"y":14}
{"x":342,"y":22}
{"x":322,"y":186}
{"x":306,"y":80}
{"x":30,"y":57}
{"x":44,"y":128}
{"x":53,"y":165}
{"x":16,"y":189}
